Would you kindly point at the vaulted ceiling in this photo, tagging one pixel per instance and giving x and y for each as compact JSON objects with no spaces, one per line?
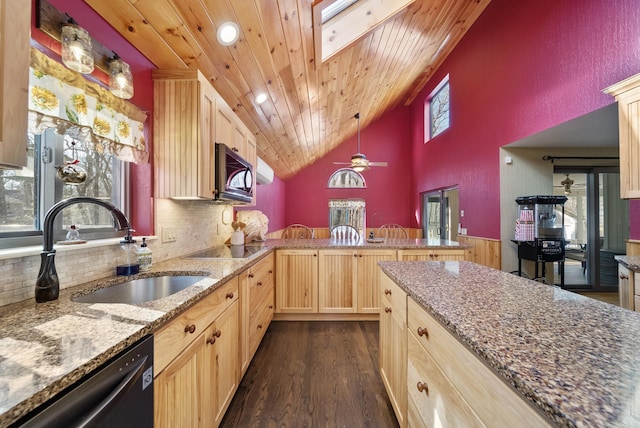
{"x":310,"y":107}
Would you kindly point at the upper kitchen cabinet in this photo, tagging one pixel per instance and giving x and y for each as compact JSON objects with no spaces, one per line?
{"x":15,"y":25}
{"x":627,"y":94}
{"x":185,"y":130}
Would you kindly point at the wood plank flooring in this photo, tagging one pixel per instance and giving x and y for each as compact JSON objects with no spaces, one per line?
{"x":314,"y":374}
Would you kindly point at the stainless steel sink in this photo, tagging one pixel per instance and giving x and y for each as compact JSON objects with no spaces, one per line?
{"x":140,"y":290}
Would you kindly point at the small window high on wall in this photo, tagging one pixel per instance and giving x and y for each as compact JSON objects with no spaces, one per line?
{"x":436,"y":110}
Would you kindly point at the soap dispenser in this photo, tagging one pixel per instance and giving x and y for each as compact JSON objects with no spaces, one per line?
{"x":128,"y":263}
{"x":144,"y":256}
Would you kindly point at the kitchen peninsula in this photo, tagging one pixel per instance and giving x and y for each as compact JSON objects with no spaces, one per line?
{"x":575,"y":360}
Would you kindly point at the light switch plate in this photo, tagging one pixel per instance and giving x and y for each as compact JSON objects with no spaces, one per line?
{"x":169,"y":234}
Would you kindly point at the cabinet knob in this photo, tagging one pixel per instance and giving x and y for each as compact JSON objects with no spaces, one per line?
{"x":422,"y":387}
{"x":259,"y":283}
{"x":259,"y":326}
{"x":211,"y":340}
{"x":235,"y":149}
{"x":623,"y":276}
{"x":190,"y":328}
{"x":270,"y":306}
{"x":387,"y":309}
{"x":229,"y":295}
{"x":387,"y":292}
{"x":217,"y":333}
{"x":270,"y":271}
{"x":423,"y":332}
{"x":250,"y":275}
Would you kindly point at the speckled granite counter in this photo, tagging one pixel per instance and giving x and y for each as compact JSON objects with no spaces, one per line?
{"x":575,"y":358}
{"x":44,"y":348}
{"x":631,"y":262}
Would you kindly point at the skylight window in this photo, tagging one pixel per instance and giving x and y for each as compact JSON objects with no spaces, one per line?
{"x":338,"y":24}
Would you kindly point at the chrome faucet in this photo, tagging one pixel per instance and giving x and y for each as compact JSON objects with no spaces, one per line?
{"x":47,"y":284}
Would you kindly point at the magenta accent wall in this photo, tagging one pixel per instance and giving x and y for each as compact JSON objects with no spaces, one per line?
{"x":523,"y":67}
{"x":270,"y":200}
{"x":388,"y":188}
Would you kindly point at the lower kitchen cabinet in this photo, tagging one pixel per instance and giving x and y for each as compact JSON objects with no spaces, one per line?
{"x":257,"y":287}
{"x":393,"y":345}
{"x":626,"y":287}
{"x":195,"y":384}
{"x":439,"y":254}
{"x":369,"y":277}
{"x":297,"y":281}
{"x":337,"y":280}
{"x":445,"y":380}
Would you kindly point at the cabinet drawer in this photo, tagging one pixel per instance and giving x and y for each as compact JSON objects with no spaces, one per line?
{"x":433,"y":400}
{"x":175,"y":336}
{"x":259,"y":321}
{"x":393,"y":299}
{"x":495,"y":402}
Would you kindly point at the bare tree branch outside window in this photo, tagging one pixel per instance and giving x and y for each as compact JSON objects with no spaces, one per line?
{"x":439,"y":110}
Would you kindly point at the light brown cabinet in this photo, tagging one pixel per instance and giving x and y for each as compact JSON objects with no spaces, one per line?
{"x":297,"y":281}
{"x":15,"y":35}
{"x":627,"y":94}
{"x":257,"y":288}
{"x":393,"y":345}
{"x":454,"y":384}
{"x":196,"y":362}
{"x":184,"y":128}
{"x":626,"y":288}
{"x":439,"y":254}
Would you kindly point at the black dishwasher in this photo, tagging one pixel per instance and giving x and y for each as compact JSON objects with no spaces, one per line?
{"x":119,"y":394}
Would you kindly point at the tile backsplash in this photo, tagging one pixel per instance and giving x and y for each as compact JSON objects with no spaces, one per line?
{"x":197,"y":225}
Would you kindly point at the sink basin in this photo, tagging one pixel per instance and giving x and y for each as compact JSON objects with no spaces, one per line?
{"x":140,"y":290}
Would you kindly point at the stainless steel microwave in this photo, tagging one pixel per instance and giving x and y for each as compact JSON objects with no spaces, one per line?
{"x":233,"y":177}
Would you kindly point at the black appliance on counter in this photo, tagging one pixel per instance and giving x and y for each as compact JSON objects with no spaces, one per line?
{"x":539,"y":232}
{"x":116,"y":395}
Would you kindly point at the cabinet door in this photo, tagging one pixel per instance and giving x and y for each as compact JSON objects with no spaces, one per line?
{"x":297,"y":281}
{"x":207,"y":155}
{"x":222,"y":365}
{"x":625,"y":290}
{"x":225,"y":126}
{"x":393,"y":346}
{"x":369,"y":275}
{"x":15,"y":24}
{"x":337,"y":278}
{"x":178,"y":392}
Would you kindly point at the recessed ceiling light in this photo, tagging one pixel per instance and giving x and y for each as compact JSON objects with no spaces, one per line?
{"x":228,"y":33}
{"x":260,"y":98}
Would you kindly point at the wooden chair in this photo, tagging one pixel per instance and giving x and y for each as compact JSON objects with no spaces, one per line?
{"x":345,"y":232}
{"x":297,"y":231}
{"x":392,"y":231}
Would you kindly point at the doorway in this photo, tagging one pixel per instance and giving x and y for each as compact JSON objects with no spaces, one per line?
{"x":596,"y":226}
{"x":440,"y":214}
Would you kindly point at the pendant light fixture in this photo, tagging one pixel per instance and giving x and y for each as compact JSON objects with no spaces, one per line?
{"x":120,"y":78}
{"x":77,"y":49}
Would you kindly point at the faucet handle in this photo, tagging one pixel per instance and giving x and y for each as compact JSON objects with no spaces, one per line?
{"x":128,"y":239}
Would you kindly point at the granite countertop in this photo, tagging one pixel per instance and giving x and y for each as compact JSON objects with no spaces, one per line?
{"x":576,"y":359}
{"x":630,"y":262}
{"x":46,"y":347}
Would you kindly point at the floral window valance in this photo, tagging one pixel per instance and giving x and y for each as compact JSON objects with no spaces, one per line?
{"x":63,"y":99}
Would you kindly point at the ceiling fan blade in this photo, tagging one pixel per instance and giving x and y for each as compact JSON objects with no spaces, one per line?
{"x":342,"y":163}
{"x":378,"y":164}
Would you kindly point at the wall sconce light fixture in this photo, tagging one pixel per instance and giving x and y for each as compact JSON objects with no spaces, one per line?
{"x":120,"y":78}
{"x":77,"y":50}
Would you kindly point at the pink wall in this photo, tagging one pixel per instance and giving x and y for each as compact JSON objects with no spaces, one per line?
{"x":387,"y":195}
{"x":523,"y":67}
{"x":270,"y":200}
{"x":141,"y":215}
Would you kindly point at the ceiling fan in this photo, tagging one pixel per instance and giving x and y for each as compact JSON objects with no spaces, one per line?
{"x":359,"y":161}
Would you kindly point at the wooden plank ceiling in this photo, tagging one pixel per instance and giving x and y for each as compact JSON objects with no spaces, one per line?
{"x":310,"y":109}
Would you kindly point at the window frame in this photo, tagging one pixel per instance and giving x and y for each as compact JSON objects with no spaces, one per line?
{"x":428,"y":109}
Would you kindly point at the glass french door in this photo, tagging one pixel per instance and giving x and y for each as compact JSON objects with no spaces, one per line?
{"x":440,"y":216}
{"x":596,"y":226}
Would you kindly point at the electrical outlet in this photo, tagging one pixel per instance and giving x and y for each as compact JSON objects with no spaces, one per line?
{"x":169,"y":234}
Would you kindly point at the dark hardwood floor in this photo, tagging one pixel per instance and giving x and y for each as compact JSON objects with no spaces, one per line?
{"x":313,"y":374}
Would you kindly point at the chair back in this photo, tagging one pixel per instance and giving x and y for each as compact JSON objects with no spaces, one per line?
{"x":392,"y":231}
{"x":297,"y":231}
{"x":345,"y":232}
